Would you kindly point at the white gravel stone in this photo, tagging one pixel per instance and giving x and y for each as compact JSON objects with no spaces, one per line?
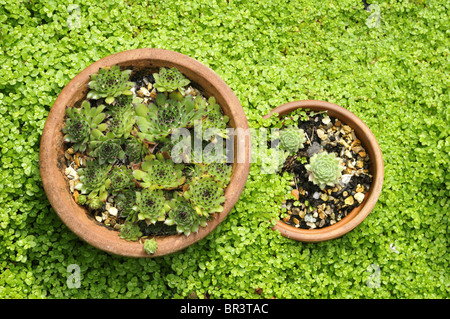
{"x":326,"y":120}
{"x":309,"y":218}
{"x":345,"y":179}
{"x":71,"y":173}
{"x":359,"y":197}
{"x":113,"y":211}
{"x":311,"y":225}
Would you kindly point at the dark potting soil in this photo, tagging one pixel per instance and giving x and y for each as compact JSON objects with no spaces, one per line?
{"x":159,"y":228}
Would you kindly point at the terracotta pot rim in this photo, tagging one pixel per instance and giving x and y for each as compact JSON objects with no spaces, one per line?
{"x":357,"y":215}
{"x":51,"y":167}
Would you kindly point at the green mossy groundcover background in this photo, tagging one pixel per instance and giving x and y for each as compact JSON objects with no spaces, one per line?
{"x":394,"y":76}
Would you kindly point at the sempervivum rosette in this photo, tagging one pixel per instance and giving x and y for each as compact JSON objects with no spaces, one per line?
{"x":151,"y":206}
{"x":186,"y":219}
{"x":292,"y":139}
{"x":82,"y":124}
{"x":206,"y":196}
{"x":168,"y":80}
{"x":94,"y":180}
{"x":324,"y":169}
{"x":107,"y":151}
{"x":109,"y":83}
{"x":159,"y":173}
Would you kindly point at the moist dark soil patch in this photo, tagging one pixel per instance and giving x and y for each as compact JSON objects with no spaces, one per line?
{"x":159,"y":228}
{"x":314,"y":207}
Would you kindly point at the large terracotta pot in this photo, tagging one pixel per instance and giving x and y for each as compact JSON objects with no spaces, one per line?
{"x":52,"y":161}
{"x":369,"y":142}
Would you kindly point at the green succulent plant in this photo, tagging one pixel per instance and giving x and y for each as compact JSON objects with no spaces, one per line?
{"x":221,"y":172}
{"x":186,"y":218}
{"x":157,"y":121}
{"x":94,"y":180}
{"x":151,"y":206}
{"x":206,"y":196}
{"x":189,"y":112}
{"x":94,"y":203}
{"x":121,"y":123}
{"x":209,"y":154}
{"x":168,"y":80}
{"x":121,"y":178}
{"x":150,"y":246}
{"x":107,"y":150}
{"x":179,"y":146}
{"x":83,"y":124}
{"x":77,"y":130}
{"x":122,"y":103}
{"x":81,"y":200}
{"x":324,"y":169}
{"x":292,"y":139}
{"x":109,"y":83}
{"x":215,"y":122}
{"x":130,"y":231}
{"x":134,"y":150}
{"x":159,"y":173}
{"x":125,"y":200}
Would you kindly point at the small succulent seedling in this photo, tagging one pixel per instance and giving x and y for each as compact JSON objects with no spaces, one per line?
{"x":81,"y":199}
{"x":151,"y":206}
{"x":150,"y":246}
{"x":179,"y":146}
{"x":82,"y":124}
{"x":109,"y":83}
{"x":94,"y":203}
{"x":156,"y":121}
{"x":206,"y":196}
{"x":190,"y":112}
{"x":186,"y":219}
{"x":324,"y":169}
{"x":292,"y":139}
{"x":76,"y":130}
{"x":168,"y":80}
{"x":159,"y":173}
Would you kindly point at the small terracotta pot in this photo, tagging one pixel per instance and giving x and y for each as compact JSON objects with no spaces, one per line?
{"x":52,"y":161}
{"x":369,"y":142}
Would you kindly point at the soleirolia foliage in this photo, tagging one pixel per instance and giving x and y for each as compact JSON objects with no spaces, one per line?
{"x":394,"y":77}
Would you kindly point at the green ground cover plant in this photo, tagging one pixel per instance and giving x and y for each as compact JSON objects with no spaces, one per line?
{"x":392,"y":74}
